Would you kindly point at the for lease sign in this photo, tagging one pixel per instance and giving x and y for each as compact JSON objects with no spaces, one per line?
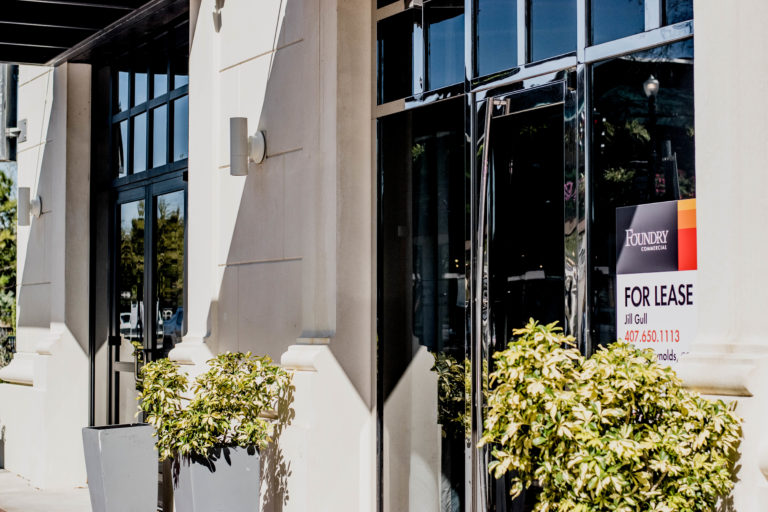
{"x":656,"y":276}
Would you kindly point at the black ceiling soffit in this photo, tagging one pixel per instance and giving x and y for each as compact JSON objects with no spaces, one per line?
{"x":55,"y":31}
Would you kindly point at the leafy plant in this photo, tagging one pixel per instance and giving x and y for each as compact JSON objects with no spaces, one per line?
{"x":613,"y":432}
{"x":228,"y":407}
{"x":453,"y":391}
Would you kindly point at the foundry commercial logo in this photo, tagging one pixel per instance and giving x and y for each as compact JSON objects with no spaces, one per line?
{"x":649,"y":238}
{"x":648,"y":241}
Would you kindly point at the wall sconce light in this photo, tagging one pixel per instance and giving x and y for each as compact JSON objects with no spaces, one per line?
{"x":27,"y":207}
{"x":244,"y":148}
{"x":217,"y":16}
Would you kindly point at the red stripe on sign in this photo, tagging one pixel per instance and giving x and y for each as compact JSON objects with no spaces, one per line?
{"x":686,"y":249}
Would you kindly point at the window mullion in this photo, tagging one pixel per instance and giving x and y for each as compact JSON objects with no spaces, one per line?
{"x":129,"y":128}
{"x":582,"y":28}
{"x":168,"y":113}
{"x":653,"y":9}
{"x":522,"y":32}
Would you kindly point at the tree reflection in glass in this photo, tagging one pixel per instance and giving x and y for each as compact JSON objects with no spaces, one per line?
{"x":131,"y":286}
{"x":169,"y":229}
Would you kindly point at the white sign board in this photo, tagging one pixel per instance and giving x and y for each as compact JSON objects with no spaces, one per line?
{"x":656,"y":277}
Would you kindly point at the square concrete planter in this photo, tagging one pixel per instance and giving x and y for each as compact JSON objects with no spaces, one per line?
{"x":121,"y":463}
{"x":227,"y":481}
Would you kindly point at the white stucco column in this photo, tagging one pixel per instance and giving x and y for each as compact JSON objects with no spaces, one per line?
{"x":44,"y":402}
{"x":200,"y":266}
{"x":730,"y":355}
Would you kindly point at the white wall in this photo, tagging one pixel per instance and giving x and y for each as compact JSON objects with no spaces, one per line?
{"x":730,"y":355}
{"x":280,"y":261}
{"x":44,"y":402}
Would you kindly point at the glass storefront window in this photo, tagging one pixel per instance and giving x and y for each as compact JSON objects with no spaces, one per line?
{"x":676,"y":11}
{"x":614,"y":19}
{"x":422,"y":308}
{"x":468,"y":251}
{"x":121,"y":148}
{"x":140,"y":143}
{"x":495,"y":36}
{"x":169,"y":247}
{"x":642,"y":152}
{"x":130,"y":295}
{"x":552,"y":28}
{"x":123,"y":91}
{"x":180,"y":70}
{"x":181,"y":128}
{"x":160,"y":78}
{"x":140,"y":85}
{"x":400,"y":72}
{"x":444,"y":27}
{"x":160,"y":136}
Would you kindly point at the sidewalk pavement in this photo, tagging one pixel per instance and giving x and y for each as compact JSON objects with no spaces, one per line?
{"x":16,"y":495}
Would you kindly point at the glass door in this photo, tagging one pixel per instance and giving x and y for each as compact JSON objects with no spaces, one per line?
{"x":525,"y":265}
{"x":149,"y":267}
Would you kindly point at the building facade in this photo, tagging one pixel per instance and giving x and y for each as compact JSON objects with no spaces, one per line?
{"x":436,"y":173}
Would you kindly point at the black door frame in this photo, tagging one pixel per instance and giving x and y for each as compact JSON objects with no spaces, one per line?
{"x":148,"y":191}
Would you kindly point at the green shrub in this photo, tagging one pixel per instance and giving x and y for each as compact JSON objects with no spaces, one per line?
{"x":614,"y":432}
{"x":228,"y":407}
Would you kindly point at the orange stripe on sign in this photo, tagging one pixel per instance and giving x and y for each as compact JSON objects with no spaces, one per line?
{"x":686,"y":234}
{"x":686,"y":204}
{"x":686,"y":219}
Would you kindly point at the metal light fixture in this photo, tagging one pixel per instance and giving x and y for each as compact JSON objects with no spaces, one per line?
{"x":27,"y":207}
{"x":243,"y":148}
{"x":651,"y":87}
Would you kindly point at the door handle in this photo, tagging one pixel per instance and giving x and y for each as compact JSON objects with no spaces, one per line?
{"x":139,"y":359}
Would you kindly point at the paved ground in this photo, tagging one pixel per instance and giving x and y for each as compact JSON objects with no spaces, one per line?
{"x":16,"y":495}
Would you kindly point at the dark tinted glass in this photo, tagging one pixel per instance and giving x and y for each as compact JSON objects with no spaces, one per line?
{"x":139,"y":87}
{"x":121,"y":147}
{"x":552,"y":28}
{"x":642,"y":152}
{"x":123,"y":92}
{"x":526,"y":254}
{"x":160,"y":136}
{"x":676,"y":11}
{"x":614,"y":19}
{"x":496,"y":36}
{"x":382,"y":3}
{"x":140,"y":143}
{"x":444,"y":25}
{"x":169,"y":228}
{"x":399,"y":62}
{"x":181,"y":128}
{"x":422,"y":307}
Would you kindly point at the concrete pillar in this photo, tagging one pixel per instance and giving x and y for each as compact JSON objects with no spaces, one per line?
{"x":730,"y":355}
{"x":44,"y":402}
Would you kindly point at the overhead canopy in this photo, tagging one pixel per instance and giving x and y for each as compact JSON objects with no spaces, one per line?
{"x":54,"y":31}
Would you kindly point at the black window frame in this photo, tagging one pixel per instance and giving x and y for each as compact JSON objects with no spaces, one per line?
{"x":143,"y":58}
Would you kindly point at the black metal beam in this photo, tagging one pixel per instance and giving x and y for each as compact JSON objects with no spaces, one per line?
{"x":42,"y":36}
{"x":126,"y":33}
{"x":54,"y":31}
{"x":125,"y":5}
{"x":27,"y":54}
{"x":22,"y":12}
